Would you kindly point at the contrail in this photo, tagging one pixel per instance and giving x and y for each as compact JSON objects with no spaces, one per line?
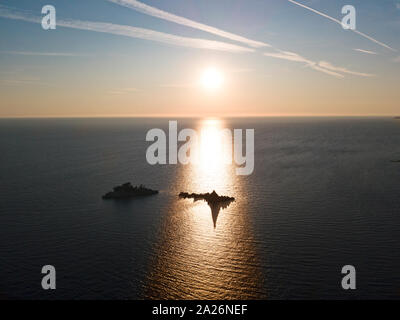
{"x":329,"y":66}
{"x":292,"y":56}
{"x":128,"y":31}
{"x":45,"y":54}
{"x":152,"y":11}
{"x":365,"y":51}
{"x":149,"y":34}
{"x":339,"y":22}
{"x":322,"y":66}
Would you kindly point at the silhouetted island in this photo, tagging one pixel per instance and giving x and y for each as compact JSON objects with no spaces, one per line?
{"x":126,"y":191}
{"x":215,"y":201}
{"x":211,"y":198}
{"x":395,"y":161}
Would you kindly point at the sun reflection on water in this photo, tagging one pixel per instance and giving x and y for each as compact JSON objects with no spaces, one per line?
{"x":205,"y":252}
{"x":212,"y":170}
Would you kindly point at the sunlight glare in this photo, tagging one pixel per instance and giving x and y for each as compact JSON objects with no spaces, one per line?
{"x":212,"y":79}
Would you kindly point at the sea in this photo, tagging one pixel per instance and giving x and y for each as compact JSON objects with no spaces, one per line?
{"x":324,"y":193}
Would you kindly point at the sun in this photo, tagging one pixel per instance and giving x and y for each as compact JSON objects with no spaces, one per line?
{"x":211,"y":78}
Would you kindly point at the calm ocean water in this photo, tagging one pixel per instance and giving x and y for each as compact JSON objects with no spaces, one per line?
{"x":323,"y":194}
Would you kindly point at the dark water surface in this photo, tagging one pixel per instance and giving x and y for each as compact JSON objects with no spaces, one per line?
{"x":323,"y":194}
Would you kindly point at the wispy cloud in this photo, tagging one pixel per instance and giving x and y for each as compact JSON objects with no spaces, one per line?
{"x":321,"y":66}
{"x":178,"y":85}
{"x":153,"y":35}
{"x":329,"y":66}
{"x":365,"y":51}
{"x":152,"y":11}
{"x":241,"y":70}
{"x":292,"y":56}
{"x":339,"y":22}
{"x":155,"y":12}
{"x":122,"y":91}
{"x":45,"y":54}
{"x":317,"y":67}
{"x":22,"y":81}
{"x":286,"y":55}
{"x":128,"y":31}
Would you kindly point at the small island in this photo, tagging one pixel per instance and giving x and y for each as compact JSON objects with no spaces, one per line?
{"x":211,"y":198}
{"x":215,"y":202}
{"x":127,"y":191}
{"x":396,"y":161}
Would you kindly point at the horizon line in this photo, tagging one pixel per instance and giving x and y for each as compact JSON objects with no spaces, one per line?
{"x":149,"y":116}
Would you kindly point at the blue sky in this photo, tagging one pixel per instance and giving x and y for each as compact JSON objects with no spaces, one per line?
{"x":82,"y":72}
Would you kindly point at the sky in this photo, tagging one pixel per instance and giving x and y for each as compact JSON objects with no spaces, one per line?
{"x":152,"y":57}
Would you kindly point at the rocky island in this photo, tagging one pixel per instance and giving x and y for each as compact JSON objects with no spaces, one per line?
{"x":127,"y":191}
{"x":211,"y":198}
{"x":215,"y":202}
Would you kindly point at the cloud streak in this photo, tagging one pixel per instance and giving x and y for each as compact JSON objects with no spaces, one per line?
{"x":329,"y":66}
{"x":339,"y":22}
{"x":123,"y":91}
{"x":128,"y":31}
{"x":154,"y":12}
{"x":148,"y":34}
{"x":292,"y":56}
{"x":22,"y":81}
{"x":45,"y":54}
{"x":365,"y":51}
{"x":178,"y":85}
{"x":321,"y":66}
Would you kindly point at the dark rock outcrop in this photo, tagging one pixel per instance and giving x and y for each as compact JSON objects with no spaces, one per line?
{"x":211,"y":198}
{"x":215,"y":202}
{"x":127,"y":191}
